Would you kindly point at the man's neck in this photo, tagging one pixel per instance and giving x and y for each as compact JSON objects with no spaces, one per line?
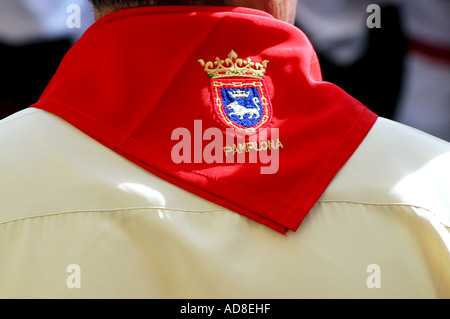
{"x":282,"y":10}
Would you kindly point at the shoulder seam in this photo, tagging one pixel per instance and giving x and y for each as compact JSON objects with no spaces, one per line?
{"x":372,"y":203}
{"x":106,"y":210}
{"x":405,"y":204}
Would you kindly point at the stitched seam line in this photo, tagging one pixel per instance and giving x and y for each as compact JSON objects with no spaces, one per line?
{"x":104,"y":210}
{"x":372,"y":203}
{"x":385,"y":204}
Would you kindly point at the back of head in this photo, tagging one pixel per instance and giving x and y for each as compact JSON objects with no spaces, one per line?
{"x":281,"y":9}
{"x":138,"y":3}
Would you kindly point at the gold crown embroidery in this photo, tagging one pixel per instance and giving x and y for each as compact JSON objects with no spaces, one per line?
{"x":234,"y":66}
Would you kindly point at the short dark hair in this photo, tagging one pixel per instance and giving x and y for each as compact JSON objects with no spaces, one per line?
{"x":139,"y":3}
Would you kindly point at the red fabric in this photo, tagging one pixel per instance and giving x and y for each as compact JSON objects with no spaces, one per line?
{"x":134,"y":77}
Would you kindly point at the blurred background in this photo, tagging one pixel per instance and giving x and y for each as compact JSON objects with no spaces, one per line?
{"x":400,"y":69}
{"x":395,"y":61}
{"x":34,"y":37}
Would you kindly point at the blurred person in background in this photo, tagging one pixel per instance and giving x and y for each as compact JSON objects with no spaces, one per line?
{"x":34,"y":37}
{"x":400,"y":68}
{"x":365,"y":60}
{"x":425,"y":96}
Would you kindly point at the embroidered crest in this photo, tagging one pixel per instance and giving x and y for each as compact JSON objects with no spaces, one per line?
{"x":239,"y":94}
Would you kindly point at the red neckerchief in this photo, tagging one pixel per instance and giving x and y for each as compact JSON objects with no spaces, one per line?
{"x":140,"y":78}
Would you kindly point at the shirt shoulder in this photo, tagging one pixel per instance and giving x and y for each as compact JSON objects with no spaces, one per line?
{"x":87,"y":206}
{"x":52,"y":167}
{"x":397,"y":164}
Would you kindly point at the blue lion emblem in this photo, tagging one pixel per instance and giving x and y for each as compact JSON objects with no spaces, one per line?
{"x":242,"y":106}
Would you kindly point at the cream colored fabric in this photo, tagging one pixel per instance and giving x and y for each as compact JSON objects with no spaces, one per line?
{"x":379,"y":231}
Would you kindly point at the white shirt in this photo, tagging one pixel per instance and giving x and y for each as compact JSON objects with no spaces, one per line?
{"x":79,"y":221}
